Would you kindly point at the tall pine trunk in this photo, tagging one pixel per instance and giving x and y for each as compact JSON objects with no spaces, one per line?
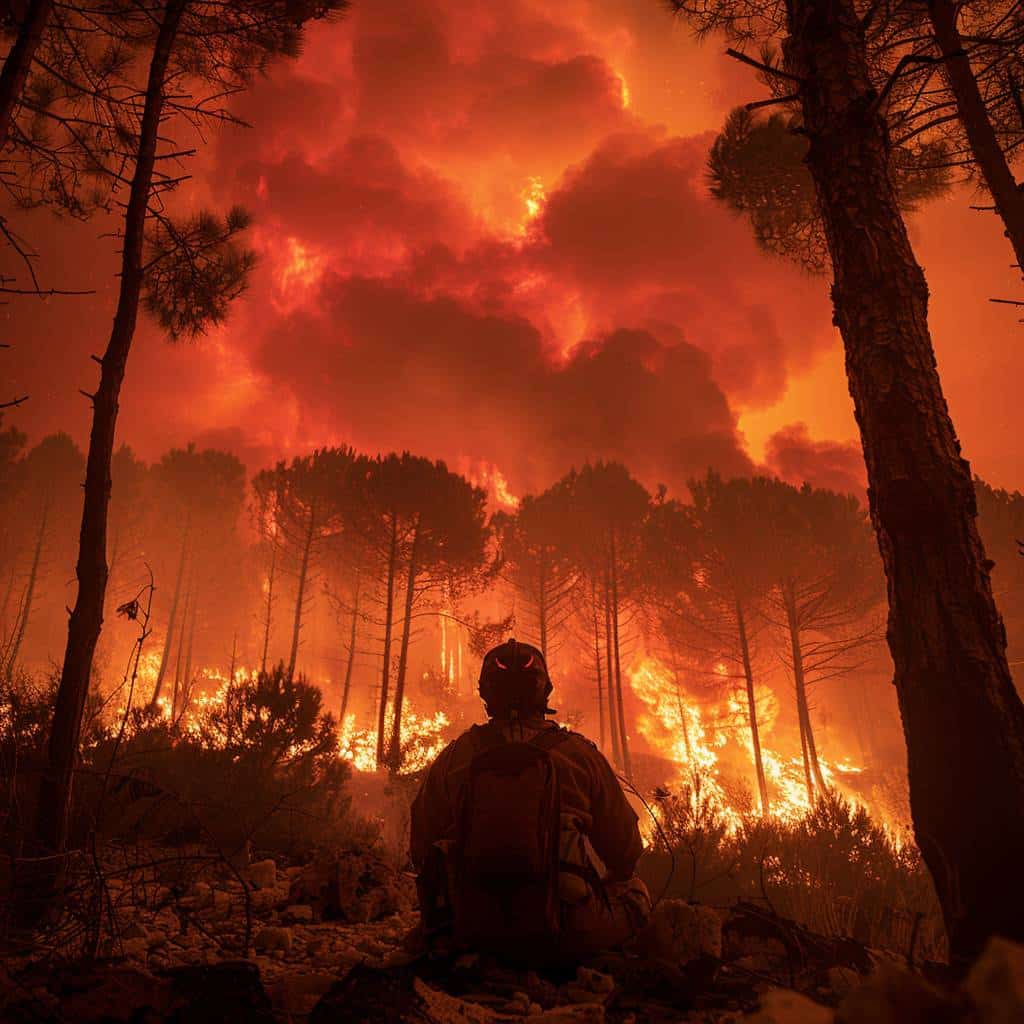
{"x":350,"y":664}
{"x":812,"y":767}
{"x":172,"y":619}
{"x":269,"y":618}
{"x":962,"y":718}
{"x":627,"y":766}
{"x":981,"y":135}
{"x":26,"y":604}
{"x":87,"y":617}
{"x":755,"y":736}
{"x":300,"y":596}
{"x":395,"y":747}
{"x":609,"y":660}
{"x":389,"y":612}
{"x":542,"y":604}
{"x":19,"y":62}
{"x":597,"y":663}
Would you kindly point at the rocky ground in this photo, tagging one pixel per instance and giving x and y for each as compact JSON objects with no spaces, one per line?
{"x":322,"y":943}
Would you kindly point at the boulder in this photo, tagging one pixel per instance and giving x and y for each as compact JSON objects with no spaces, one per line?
{"x":679,"y":932}
{"x":298,"y":913}
{"x":295,"y":994}
{"x":263,"y":874}
{"x":995,"y":984}
{"x":352,"y":885}
{"x":783,"y":1006}
{"x":895,"y":996}
{"x":272,"y":939}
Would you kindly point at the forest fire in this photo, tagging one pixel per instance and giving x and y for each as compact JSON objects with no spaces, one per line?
{"x":544,"y":375}
{"x":699,"y":737}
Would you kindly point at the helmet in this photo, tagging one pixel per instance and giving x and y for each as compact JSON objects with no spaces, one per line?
{"x":514,"y":681}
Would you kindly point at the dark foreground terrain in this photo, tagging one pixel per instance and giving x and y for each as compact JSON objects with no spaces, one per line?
{"x":322,"y":942}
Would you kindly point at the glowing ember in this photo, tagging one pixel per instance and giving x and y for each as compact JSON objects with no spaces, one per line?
{"x":534,"y":197}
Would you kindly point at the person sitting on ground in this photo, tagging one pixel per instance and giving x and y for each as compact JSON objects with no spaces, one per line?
{"x":523,"y":840}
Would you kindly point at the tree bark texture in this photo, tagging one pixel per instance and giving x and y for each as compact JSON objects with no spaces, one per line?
{"x":962,"y":719}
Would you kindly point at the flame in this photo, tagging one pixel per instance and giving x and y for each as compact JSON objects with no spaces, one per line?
{"x":298,"y":274}
{"x":423,"y":739}
{"x":693,"y":739}
{"x":534,"y":197}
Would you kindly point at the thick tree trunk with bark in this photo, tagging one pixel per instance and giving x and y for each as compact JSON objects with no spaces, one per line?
{"x":962,"y":718}
{"x":173,"y":617}
{"x":87,"y":616}
{"x":26,"y":604}
{"x":19,"y":62}
{"x":389,"y":612}
{"x":395,"y":747}
{"x":346,"y":689}
{"x":755,"y":736}
{"x":970,"y":105}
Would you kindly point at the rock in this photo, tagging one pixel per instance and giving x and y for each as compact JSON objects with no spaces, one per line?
{"x":273,"y":939}
{"x":263,"y":874}
{"x":842,"y":981}
{"x":783,"y":1006}
{"x":221,"y":904}
{"x":895,"y":996}
{"x":135,"y":947}
{"x":595,"y":981}
{"x":353,"y":885}
{"x":296,"y":994}
{"x":156,"y":939}
{"x":995,"y":983}
{"x":202,"y":893}
{"x":229,"y":991}
{"x":133,"y":930}
{"x":298,"y":913}
{"x":679,"y":932}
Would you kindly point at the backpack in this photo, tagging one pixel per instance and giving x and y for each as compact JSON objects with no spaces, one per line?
{"x":506,"y":851}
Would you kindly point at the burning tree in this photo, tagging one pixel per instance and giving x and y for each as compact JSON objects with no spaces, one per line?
{"x":200,"y":494}
{"x":427,"y":526}
{"x":308,"y":501}
{"x":825,"y":582}
{"x":189,"y":44}
{"x":534,"y":544}
{"x":608,"y":511}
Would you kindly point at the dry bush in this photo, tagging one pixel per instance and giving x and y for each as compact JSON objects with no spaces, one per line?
{"x":835,"y":871}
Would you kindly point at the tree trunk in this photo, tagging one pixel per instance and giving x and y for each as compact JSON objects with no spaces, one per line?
{"x":962,"y":718}
{"x":988,"y":154}
{"x":87,"y":616}
{"x":395,"y":747}
{"x":176,"y":693}
{"x":609,"y":661}
{"x":271,"y":576}
{"x":755,"y":738}
{"x":597,"y":663}
{"x":542,"y":605}
{"x":627,"y":766}
{"x":19,"y":61}
{"x":26,"y":606}
{"x":172,"y":619}
{"x":300,"y":597}
{"x":812,"y":767}
{"x":188,"y":653}
{"x":389,"y":611}
{"x":347,"y":688}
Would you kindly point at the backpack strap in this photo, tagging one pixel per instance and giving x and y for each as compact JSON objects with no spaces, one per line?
{"x":548,"y":739}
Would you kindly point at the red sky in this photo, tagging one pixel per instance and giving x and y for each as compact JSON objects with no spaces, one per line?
{"x":485,"y":236}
